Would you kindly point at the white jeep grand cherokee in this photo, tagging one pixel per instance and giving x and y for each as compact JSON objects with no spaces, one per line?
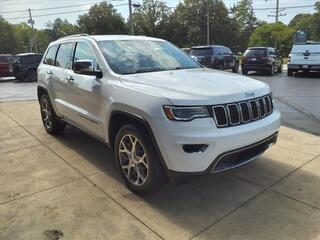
{"x":161,"y":112}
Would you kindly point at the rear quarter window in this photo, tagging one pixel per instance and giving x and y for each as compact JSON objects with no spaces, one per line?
{"x":51,"y":55}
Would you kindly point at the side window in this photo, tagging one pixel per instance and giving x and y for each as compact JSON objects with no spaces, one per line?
{"x":84,"y":52}
{"x":27,"y":60}
{"x":229,"y":51}
{"x":64,"y":55}
{"x":218,"y":51}
{"x":51,"y":55}
{"x":38,"y":58}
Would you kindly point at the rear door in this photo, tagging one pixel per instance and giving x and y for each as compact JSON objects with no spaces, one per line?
{"x":85,"y":93}
{"x":308,"y":54}
{"x":59,"y":82}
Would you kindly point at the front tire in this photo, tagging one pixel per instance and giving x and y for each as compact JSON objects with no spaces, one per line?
{"x":51,"y":123}
{"x":290,"y":73}
{"x":138,"y":160}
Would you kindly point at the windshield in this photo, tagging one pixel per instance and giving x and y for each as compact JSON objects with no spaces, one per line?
{"x":201,"y":51}
{"x":138,"y":56}
{"x":255,"y":52}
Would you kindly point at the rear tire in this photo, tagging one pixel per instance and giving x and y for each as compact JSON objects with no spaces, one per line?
{"x":138,"y":160}
{"x":271,"y":70}
{"x":52,"y":124}
{"x":235,"y":68}
{"x":290,"y":73}
{"x":244,"y":71}
{"x":31,"y":75}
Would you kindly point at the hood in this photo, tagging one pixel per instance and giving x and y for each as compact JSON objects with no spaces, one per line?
{"x":201,"y":86}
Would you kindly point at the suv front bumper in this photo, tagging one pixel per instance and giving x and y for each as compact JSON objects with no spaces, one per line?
{"x":171,"y":136}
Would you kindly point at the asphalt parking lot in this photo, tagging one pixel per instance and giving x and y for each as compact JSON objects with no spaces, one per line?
{"x":55,"y":188}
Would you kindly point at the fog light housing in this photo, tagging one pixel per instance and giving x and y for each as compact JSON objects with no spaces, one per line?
{"x":194,"y":148}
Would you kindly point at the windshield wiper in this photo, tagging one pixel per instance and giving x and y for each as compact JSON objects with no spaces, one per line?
{"x":148,"y":70}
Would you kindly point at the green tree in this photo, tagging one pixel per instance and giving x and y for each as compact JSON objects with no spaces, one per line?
{"x":151,"y":18}
{"x":60,"y":28}
{"x":8,"y":40}
{"x":246,"y":22}
{"x":102,"y":18}
{"x":308,"y":22}
{"x":273,"y":35}
{"x":191,"y":17}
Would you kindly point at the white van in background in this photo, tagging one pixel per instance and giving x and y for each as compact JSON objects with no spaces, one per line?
{"x":304,"y":57}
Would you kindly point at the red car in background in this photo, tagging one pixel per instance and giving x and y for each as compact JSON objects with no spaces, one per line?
{"x":5,"y":60}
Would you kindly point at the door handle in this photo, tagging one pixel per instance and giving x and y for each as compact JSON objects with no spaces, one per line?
{"x":49,"y":72}
{"x":70,"y":78}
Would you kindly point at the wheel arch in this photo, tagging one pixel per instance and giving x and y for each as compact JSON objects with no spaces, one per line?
{"x":119,"y":118}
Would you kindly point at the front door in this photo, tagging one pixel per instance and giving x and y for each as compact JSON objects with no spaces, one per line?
{"x":85,"y":94}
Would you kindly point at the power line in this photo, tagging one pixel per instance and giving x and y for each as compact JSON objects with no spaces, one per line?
{"x":51,"y":8}
{"x":290,"y":7}
{"x":58,"y":13}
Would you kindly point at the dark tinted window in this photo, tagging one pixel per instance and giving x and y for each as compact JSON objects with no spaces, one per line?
{"x":255,"y":52}
{"x":84,"y":52}
{"x":64,"y":55}
{"x":218,"y":50}
{"x":38,"y":58}
{"x":26,"y":59}
{"x":201,"y":51}
{"x":51,"y":55}
{"x":6,"y":58}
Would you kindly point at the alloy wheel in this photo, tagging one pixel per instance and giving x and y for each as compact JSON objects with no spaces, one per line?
{"x":46,"y":114}
{"x":133,"y":160}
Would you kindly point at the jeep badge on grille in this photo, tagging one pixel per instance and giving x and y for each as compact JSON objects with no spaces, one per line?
{"x":250,"y":95}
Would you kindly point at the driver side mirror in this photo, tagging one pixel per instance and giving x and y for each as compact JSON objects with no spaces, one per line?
{"x":86,"y":67}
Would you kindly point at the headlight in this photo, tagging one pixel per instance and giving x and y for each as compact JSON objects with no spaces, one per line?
{"x":185,"y":113}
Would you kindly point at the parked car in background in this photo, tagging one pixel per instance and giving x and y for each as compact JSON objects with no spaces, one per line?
{"x":215,"y":56}
{"x":162,"y":113}
{"x":304,"y":57}
{"x":25,"y":66}
{"x":5,"y":60}
{"x":261,"y":59}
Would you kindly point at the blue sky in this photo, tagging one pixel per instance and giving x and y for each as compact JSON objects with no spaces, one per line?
{"x":6,"y":6}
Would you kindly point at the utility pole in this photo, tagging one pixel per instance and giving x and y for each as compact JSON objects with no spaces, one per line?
{"x":131,"y":30}
{"x":30,"y":19}
{"x":33,"y":45}
{"x":277,"y":12}
{"x":208,"y":26}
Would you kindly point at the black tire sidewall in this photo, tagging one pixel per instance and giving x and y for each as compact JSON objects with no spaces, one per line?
{"x":154,"y":166}
{"x":57,"y":125}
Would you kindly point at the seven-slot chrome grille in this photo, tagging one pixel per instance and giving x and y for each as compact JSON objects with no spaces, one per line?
{"x":233,"y":114}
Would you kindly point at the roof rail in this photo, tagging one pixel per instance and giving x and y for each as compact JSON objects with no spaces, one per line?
{"x":75,"y":35}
